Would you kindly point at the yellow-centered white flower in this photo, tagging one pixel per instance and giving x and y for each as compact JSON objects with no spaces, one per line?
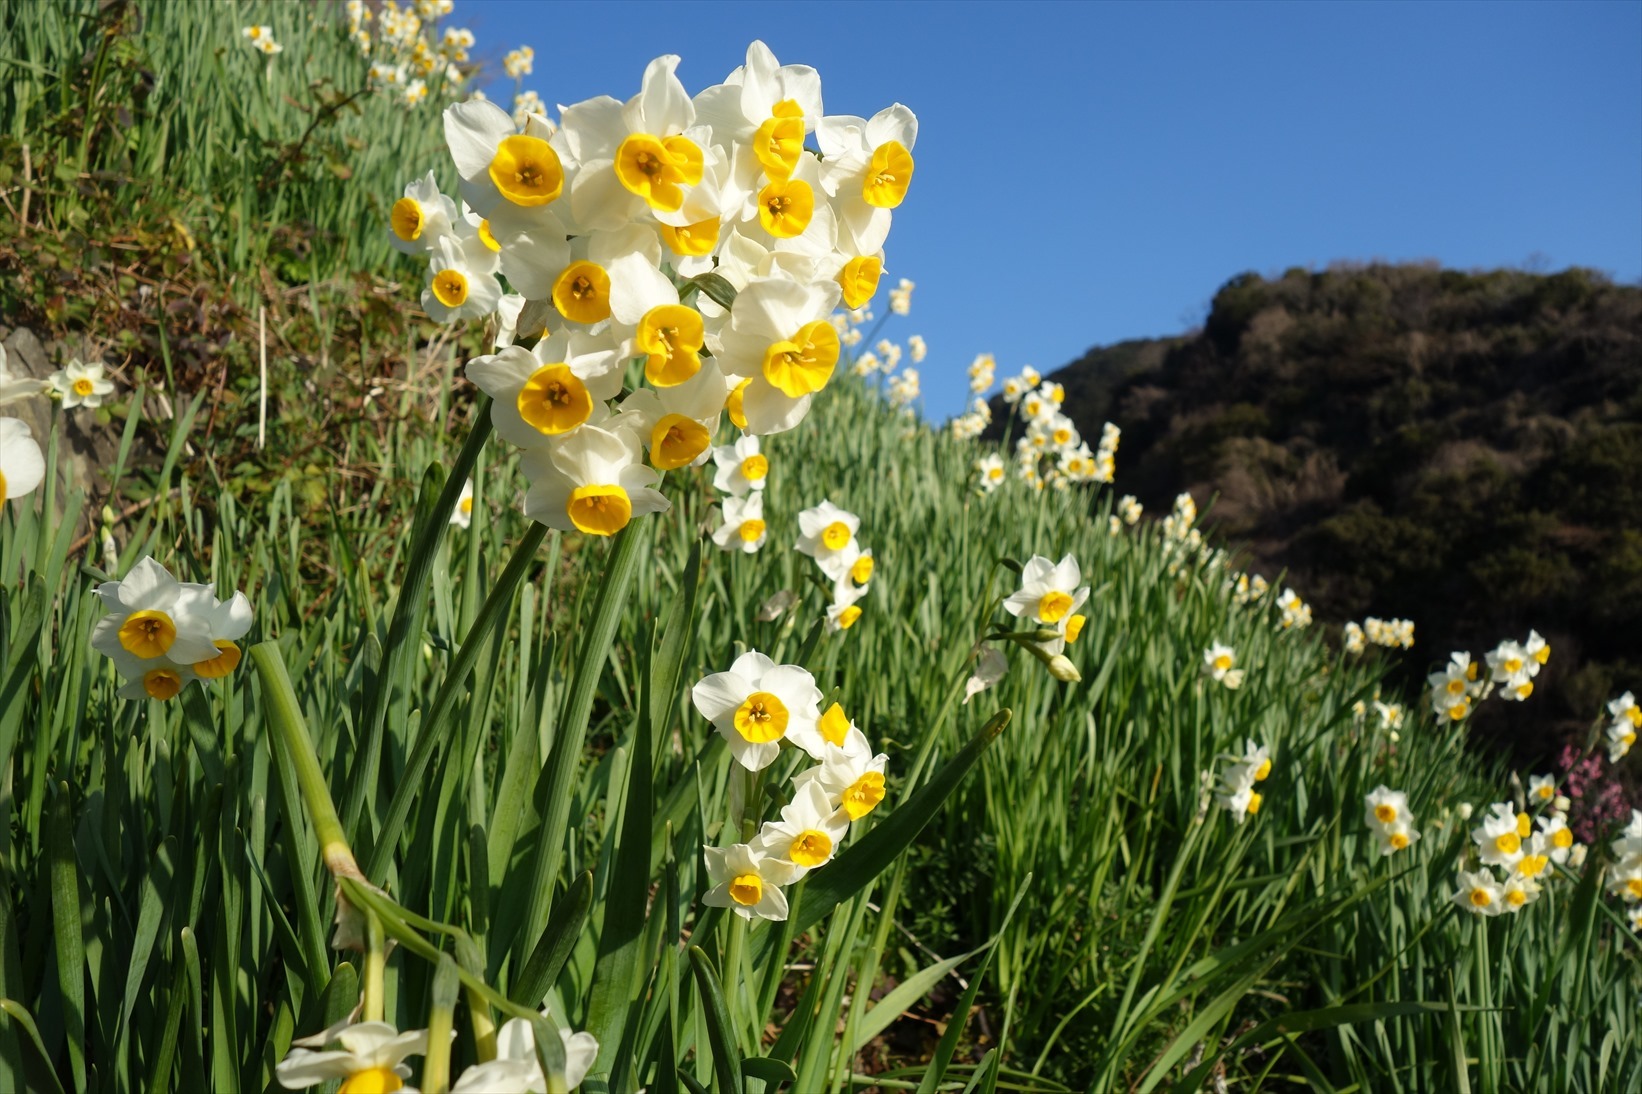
{"x":743,"y":527}
{"x":808,"y":833}
{"x":827,"y":534}
{"x":1050,"y":592}
{"x":677,"y":423}
{"x":853,"y":778}
{"x":371,"y":1058}
{"x":779,"y":337}
{"x":638,"y":157}
{"x":757,"y":704}
{"x":419,"y":219}
{"x":866,"y":168}
{"x":502,"y":164}
{"x":746,"y":881}
{"x":741,"y":467}
{"x":551,"y":390}
{"x":653,"y":324}
{"x":461,"y":281}
{"x":592,"y":481}
{"x":81,"y":384}
{"x":1480,"y":892}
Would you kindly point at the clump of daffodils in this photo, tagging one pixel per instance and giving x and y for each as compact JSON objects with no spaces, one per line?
{"x":1390,"y":633}
{"x":1246,"y":589}
{"x":162,"y":634}
{"x":1386,"y":813}
{"x":1625,"y":881}
{"x":1512,"y":666}
{"x":412,"y":51}
{"x":261,"y":39}
{"x":709,"y":237}
{"x":1515,"y":851}
{"x":1296,"y":612}
{"x":828,"y":535}
{"x":1125,"y":514}
{"x":1626,"y":721}
{"x":1457,"y":687}
{"x":1234,"y":789}
{"x":762,"y":708}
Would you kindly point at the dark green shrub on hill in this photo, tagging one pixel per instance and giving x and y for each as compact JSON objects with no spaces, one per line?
{"x":1459,"y":448}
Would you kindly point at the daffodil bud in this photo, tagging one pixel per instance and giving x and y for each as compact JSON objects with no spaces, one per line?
{"x":1063,"y":670}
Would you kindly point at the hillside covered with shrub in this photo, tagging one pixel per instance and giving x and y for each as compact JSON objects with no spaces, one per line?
{"x":1463,"y":449}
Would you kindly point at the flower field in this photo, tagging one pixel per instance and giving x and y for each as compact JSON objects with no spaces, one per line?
{"x":670,"y":707}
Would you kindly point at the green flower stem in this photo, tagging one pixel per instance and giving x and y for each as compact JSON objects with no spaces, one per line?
{"x":376,"y":965}
{"x":441,"y":1020}
{"x":284,"y":715}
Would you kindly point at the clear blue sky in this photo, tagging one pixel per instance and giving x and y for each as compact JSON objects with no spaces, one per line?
{"x":1088,"y":173}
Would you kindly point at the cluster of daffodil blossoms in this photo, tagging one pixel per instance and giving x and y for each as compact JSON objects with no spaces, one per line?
{"x":901,"y":388}
{"x":1515,"y":850}
{"x":22,"y":464}
{"x":1219,"y":665}
{"x":828,"y":534}
{"x":1387,"y":716}
{"x":261,"y":39}
{"x":1622,"y":729}
{"x":760,"y":708}
{"x":1234,"y":785}
{"x":1626,"y":880}
{"x":1050,"y":452}
{"x":1390,"y":633}
{"x":409,"y":49}
{"x":1385,"y":811}
{"x":700,"y":236}
{"x":162,"y":633}
{"x":1459,"y":685}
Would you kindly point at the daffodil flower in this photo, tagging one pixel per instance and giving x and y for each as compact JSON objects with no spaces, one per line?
{"x":757,"y":704}
{"x":747,"y":882}
{"x":81,"y":384}
{"x":1394,"y":837}
{"x":827,"y":534}
{"x":638,"y":156}
{"x":852,"y":778}
{"x":1049,"y":592}
{"x":677,"y":423}
{"x":549,"y":391}
{"x":592,"y":481}
{"x":743,"y":527}
{"x":866,"y":167}
{"x":1499,"y":837}
{"x":779,"y":337}
{"x":503,"y":165}
{"x":461,"y":281}
{"x":670,"y":336}
{"x":741,"y":467}
{"x":419,"y":219}
{"x":462,"y":515}
{"x":516,"y":1068}
{"x":808,"y":833}
{"x":22,"y":467}
{"x":1480,"y":892}
{"x":1558,"y":837}
{"x":370,"y":1061}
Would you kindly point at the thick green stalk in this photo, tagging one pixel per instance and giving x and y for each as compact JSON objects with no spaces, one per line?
{"x":284,"y":715}
{"x":554,"y":790}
